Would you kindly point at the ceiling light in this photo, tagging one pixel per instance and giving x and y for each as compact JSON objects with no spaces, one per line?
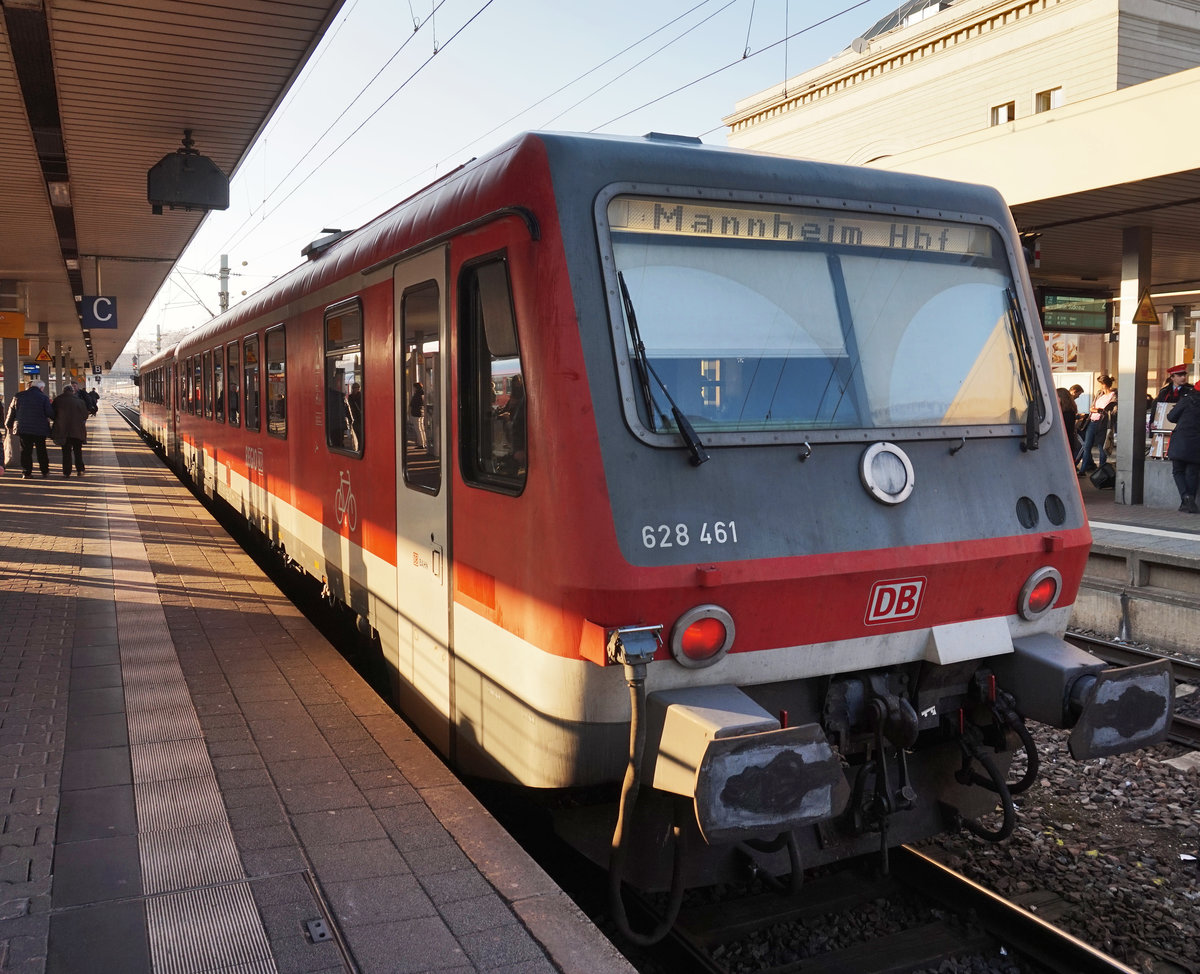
{"x":60,"y":193}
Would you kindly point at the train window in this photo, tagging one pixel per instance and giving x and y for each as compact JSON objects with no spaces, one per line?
{"x":276,"y":349}
{"x":492,"y":382}
{"x":219,"y":384}
{"x":197,"y":406}
{"x":207,"y":384}
{"x":420,"y":319}
{"x":344,"y":377}
{"x":234,"y":383}
{"x":251,"y":387}
{"x":761,"y":318}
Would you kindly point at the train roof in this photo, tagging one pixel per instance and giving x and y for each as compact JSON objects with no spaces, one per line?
{"x":579,"y":165}
{"x":161,"y":357}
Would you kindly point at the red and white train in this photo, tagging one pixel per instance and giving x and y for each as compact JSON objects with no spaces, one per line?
{"x":735,"y":479}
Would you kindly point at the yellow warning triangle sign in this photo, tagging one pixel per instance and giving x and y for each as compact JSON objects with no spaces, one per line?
{"x":1145,"y":314}
{"x":44,"y":356}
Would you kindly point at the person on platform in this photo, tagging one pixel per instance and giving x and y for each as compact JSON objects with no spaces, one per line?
{"x":416,"y":416}
{"x":29,"y":414}
{"x":1184,"y":451}
{"x":1098,"y":420}
{"x":1177,"y":385}
{"x":70,"y":427}
{"x":1070,"y":415}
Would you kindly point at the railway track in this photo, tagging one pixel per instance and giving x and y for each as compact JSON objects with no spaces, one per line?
{"x":1185,"y":729}
{"x":943,"y":916}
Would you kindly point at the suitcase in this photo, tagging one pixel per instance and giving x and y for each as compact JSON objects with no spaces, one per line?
{"x":1104,"y":477}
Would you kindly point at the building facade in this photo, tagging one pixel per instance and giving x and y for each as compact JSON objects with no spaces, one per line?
{"x":1078,"y":111}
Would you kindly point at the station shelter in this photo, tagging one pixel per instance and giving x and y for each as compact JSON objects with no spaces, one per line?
{"x":1080,"y":113}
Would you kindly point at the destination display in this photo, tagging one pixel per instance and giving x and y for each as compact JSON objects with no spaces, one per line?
{"x":1076,"y":313}
{"x":689,"y":218}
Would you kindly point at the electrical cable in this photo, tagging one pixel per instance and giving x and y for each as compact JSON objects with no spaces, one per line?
{"x":234,"y":236}
{"x":713,"y":74}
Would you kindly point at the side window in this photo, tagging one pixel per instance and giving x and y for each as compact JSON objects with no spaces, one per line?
{"x":197,"y":384}
{"x":251,"y":392}
{"x":206,"y":385}
{"x":233,"y":365}
{"x":344,"y":377}
{"x":219,"y":384}
{"x":494,"y":421}
{"x":276,"y":349}
{"x":420,"y":317}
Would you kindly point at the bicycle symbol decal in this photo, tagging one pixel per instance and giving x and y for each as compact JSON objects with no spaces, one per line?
{"x":345,"y":507}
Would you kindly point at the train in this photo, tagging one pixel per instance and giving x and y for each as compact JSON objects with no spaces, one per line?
{"x":726,"y":489}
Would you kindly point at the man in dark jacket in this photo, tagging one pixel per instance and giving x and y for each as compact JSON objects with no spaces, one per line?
{"x":30,"y":413}
{"x":1184,"y":451}
{"x":70,"y":427}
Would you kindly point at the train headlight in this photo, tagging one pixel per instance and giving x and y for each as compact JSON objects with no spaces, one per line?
{"x":701,"y":636}
{"x":1039,"y":593}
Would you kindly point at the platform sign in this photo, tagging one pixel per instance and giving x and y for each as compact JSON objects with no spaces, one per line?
{"x":1075,"y":312}
{"x":98,"y":311}
{"x":12,"y":324}
{"x":31,"y":368}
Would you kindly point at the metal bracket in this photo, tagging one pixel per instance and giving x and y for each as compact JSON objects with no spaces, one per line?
{"x":633,"y":645}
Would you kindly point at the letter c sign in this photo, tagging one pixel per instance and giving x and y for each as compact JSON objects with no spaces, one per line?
{"x":98,"y":311}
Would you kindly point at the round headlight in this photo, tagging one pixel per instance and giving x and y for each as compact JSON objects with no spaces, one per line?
{"x":701,"y":636}
{"x":1039,"y":593}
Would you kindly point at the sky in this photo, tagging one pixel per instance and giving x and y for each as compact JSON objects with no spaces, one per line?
{"x":401,"y":91}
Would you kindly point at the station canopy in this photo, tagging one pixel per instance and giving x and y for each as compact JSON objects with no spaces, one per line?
{"x":95,"y":93}
{"x":1078,"y":178}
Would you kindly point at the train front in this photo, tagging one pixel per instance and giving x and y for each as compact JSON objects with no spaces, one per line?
{"x":849,"y":508}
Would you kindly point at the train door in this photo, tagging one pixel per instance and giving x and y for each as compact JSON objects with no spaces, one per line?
{"x":422,"y":489}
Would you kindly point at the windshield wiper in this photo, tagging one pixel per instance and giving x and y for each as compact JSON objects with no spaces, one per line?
{"x":645,"y":370}
{"x":1027,"y":371}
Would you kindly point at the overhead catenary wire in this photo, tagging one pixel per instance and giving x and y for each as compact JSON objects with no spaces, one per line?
{"x":238,"y":234}
{"x":732,"y":64}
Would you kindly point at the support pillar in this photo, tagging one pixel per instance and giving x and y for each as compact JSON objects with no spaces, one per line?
{"x":1133,"y":360}
{"x":43,"y":342}
{"x":12,"y":373}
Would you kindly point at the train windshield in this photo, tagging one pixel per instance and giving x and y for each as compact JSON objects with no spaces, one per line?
{"x":770,"y":318}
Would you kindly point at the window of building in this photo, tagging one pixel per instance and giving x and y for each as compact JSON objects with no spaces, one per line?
{"x":251,"y":386}
{"x":1004,"y":113}
{"x":1043,"y":101}
{"x":234,"y":366}
{"x":276,"y":349}
{"x":344,"y":377}
{"x":420,"y":318}
{"x":219,"y":384}
{"x":493,"y":384}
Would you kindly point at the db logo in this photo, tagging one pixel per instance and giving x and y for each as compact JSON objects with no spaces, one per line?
{"x":894,"y":600}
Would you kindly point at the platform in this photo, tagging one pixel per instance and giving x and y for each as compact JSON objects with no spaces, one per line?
{"x":1142,"y":581}
{"x":192,"y":779}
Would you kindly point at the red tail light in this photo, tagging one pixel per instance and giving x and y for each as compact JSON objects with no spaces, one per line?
{"x":701,"y":636}
{"x":1039,"y":593}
